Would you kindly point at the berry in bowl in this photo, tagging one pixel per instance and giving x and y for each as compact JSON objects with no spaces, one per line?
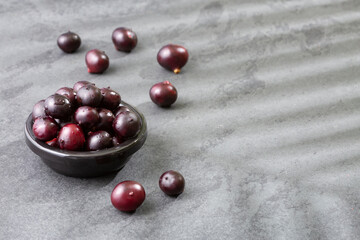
{"x":85,"y":131}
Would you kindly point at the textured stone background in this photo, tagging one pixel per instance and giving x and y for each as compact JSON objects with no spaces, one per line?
{"x":266,"y":128}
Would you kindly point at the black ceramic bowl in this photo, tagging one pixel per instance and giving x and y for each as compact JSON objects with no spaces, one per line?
{"x":86,"y":163}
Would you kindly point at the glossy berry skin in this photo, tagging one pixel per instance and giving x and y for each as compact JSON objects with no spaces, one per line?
{"x":69,"y":42}
{"x":127,"y":196}
{"x":45,"y":128}
{"x":172,"y":183}
{"x":98,"y":140}
{"x":81,"y":84}
{"x":121,"y":109}
{"x":111,"y":99}
{"x":89,"y":95}
{"x":164,"y":94}
{"x":96,"y":61}
{"x":69,"y":93}
{"x":53,"y":143}
{"x":126,"y":125}
{"x":87,"y":117}
{"x":106,"y":118}
{"x":71,"y":137}
{"x":173,"y":57}
{"x":58,"y":106}
{"x":39,"y":110}
{"x":124,"y":39}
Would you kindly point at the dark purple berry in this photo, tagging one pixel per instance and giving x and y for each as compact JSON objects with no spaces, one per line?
{"x":127,"y":196}
{"x":89,"y":95}
{"x":106,"y":120}
{"x":69,"y":93}
{"x":163,"y":94}
{"x":111,"y":99}
{"x":173,"y":57}
{"x":172,"y":183}
{"x":126,"y":125}
{"x":87,"y":117}
{"x":121,"y":109}
{"x":45,"y":128}
{"x":81,"y":84}
{"x":39,"y":110}
{"x":124,"y":39}
{"x":69,"y":42}
{"x":71,"y":137}
{"x":96,"y":61}
{"x":98,"y":140}
{"x":58,"y":106}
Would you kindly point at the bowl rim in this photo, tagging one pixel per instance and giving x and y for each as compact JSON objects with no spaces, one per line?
{"x":128,"y":144}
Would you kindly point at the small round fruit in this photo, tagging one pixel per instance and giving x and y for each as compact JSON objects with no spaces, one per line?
{"x":45,"y":128}
{"x":58,"y":106}
{"x":124,"y":39}
{"x":89,"y":95}
{"x":69,"y":93}
{"x":98,"y":140}
{"x":106,"y":120}
{"x":81,"y":84}
{"x":127,"y":196}
{"x":96,"y":61}
{"x":39,"y":110}
{"x":173,"y":57}
{"x":163,"y":94}
{"x":71,"y":137}
{"x":126,"y":125}
{"x":69,"y":42}
{"x":87,"y":117}
{"x":172,"y":183}
{"x":111,"y":99}
{"x":121,"y":109}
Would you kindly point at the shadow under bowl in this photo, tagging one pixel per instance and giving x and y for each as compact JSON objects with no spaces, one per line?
{"x":85,"y":164}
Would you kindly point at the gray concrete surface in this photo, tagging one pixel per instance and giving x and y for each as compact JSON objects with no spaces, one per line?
{"x":266,"y":128}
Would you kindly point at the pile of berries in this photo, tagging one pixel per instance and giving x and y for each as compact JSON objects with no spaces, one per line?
{"x":84,"y":118}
